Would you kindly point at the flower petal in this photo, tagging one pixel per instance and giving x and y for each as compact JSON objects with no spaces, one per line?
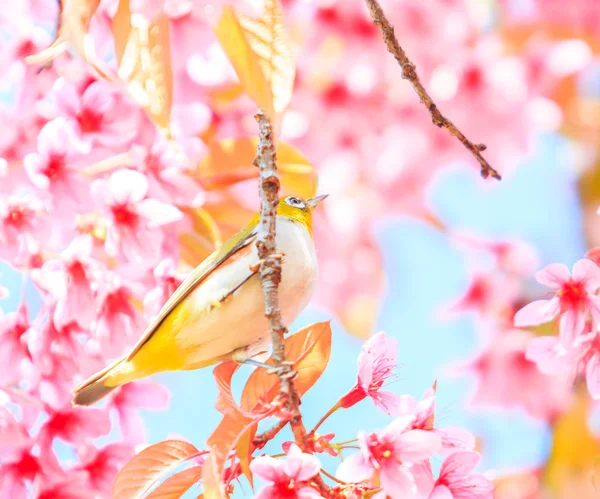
{"x":267,"y":468}
{"x":158,"y":213}
{"x":128,"y":186}
{"x":397,"y":481}
{"x":459,"y":464}
{"x":587,"y":272}
{"x":553,"y":276}
{"x":386,"y":402}
{"x":571,"y":326}
{"x":417,"y":445}
{"x":354,"y":469}
{"x":441,"y":492}
{"x":592,"y":376}
{"x":537,"y":312}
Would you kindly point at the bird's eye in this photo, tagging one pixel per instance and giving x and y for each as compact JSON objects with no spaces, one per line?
{"x":297,"y":203}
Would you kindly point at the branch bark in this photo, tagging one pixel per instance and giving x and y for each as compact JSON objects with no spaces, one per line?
{"x":409,"y":73}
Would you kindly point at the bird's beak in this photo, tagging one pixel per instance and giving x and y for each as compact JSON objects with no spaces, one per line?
{"x":312,"y":203}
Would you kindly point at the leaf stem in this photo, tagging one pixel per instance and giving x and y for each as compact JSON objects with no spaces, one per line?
{"x":325,"y":416}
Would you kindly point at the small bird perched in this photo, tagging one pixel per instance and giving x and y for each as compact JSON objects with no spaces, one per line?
{"x":217,"y":313}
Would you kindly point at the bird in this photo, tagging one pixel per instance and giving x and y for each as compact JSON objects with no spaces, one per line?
{"x":217,"y":313}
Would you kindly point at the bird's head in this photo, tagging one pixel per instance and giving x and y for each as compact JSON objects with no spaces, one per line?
{"x":299,"y":210}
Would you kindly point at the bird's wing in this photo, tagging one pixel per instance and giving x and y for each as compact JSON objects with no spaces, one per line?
{"x":201,"y":272}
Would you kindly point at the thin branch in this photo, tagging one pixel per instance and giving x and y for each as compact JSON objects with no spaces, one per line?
{"x":409,"y":73}
{"x":260,"y":440}
{"x":270,"y":277}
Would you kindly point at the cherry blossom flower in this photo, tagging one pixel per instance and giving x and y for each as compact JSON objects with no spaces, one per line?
{"x":455,"y":480}
{"x":396,"y":455}
{"x":74,"y":425}
{"x":72,"y":281}
{"x":129,"y":399}
{"x":376,"y":363}
{"x":101,"y":465}
{"x":574,"y":297}
{"x":453,"y":438}
{"x":49,"y":167}
{"x":13,"y":345}
{"x":168,"y":280}
{"x":22,"y":223}
{"x":287,"y":479}
{"x":135,"y":219}
{"x":507,"y":378}
{"x":16,"y":473}
{"x":169,"y":175}
{"x":97,"y":113}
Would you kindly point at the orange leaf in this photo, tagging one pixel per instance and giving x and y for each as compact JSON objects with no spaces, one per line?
{"x":309,"y":349}
{"x":143,"y":52}
{"x":145,"y":469}
{"x":72,"y":31}
{"x":229,"y":161}
{"x":244,"y":449}
{"x":176,"y":485}
{"x":260,"y":52}
{"x":212,"y":479}
{"x":223,"y":373}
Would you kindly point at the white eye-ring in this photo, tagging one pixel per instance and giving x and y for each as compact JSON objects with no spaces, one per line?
{"x":295,"y":202}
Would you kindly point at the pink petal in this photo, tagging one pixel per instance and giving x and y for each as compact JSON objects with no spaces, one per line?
{"x":267,"y":468}
{"x":587,"y":272}
{"x":441,"y":492}
{"x":553,"y":276}
{"x":354,"y":469}
{"x":571,"y":326}
{"x":98,"y":97}
{"x":455,"y":438}
{"x":537,"y":312}
{"x":148,"y":395}
{"x":299,"y":465}
{"x":407,"y":405}
{"x":267,"y":492}
{"x":398,"y":426}
{"x":459,"y":464}
{"x":417,"y":445}
{"x":592,"y":376}
{"x":158,"y":213}
{"x":397,"y":481}
{"x":386,"y":402}
{"x":593,"y":305}
{"x":545,"y":351}
{"x":308,"y":493}
{"x":128,"y":186}
{"x":80,"y":248}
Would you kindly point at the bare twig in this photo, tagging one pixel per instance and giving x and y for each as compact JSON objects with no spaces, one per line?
{"x":261,"y":439}
{"x":409,"y":73}
{"x":270,"y":277}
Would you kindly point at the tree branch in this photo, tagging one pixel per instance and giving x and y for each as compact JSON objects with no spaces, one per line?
{"x":409,"y":73}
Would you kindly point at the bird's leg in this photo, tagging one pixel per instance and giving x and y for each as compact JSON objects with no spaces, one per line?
{"x":241,"y":357}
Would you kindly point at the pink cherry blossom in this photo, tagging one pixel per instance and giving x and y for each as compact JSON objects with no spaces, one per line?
{"x":453,"y":438}
{"x":376,"y":363}
{"x":456,"y":481}
{"x":50,"y":168}
{"x":135,"y":219}
{"x":101,"y":465}
{"x":573,"y":299}
{"x":13,"y":352}
{"x":22,"y":226}
{"x":168,"y":173}
{"x":16,"y":473}
{"x":75,"y":425}
{"x":396,"y":455}
{"x":73,"y":282}
{"x":98,"y":114}
{"x":287,"y":478}
{"x":129,"y":399}
{"x":507,"y":378}
{"x":168,"y":280}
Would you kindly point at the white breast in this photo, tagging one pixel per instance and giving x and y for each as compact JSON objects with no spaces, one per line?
{"x":240,"y":320}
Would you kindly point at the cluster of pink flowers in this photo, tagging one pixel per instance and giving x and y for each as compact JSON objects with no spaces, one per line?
{"x":393,"y":462}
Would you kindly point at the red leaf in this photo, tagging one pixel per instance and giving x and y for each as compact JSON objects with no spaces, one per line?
{"x":212,"y":479}
{"x":223,"y":373}
{"x":176,"y":485}
{"x":309,"y":349}
{"x":145,"y":469}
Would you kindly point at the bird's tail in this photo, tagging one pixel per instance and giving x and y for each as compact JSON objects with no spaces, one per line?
{"x":102,"y":383}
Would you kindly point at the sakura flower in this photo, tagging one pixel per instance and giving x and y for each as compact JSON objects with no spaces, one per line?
{"x":102,"y":465}
{"x":16,"y":473}
{"x":169,"y":176}
{"x":97,"y":113}
{"x":22,"y":223}
{"x":455,"y":480}
{"x":49,"y":167}
{"x":136,"y":220}
{"x":507,"y":378}
{"x":398,"y":456}
{"x":132,"y":397}
{"x":289,"y":478}
{"x":118,"y":321}
{"x":73,"y":283}
{"x":453,"y":438}
{"x":376,"y":363}
{"x":13,"y":345}
{"x":574,"y":297}
{"x":74,"y":425}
